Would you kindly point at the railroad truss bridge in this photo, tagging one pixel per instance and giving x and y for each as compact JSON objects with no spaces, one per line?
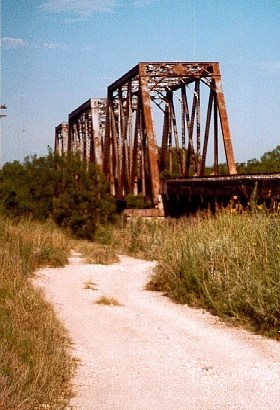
{"x":153,"y":135}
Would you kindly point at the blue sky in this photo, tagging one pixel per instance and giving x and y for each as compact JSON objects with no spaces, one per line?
{"x":56,"y":54}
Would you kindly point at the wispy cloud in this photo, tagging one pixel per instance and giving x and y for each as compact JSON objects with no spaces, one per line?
{"x":269,"y":66}
{"x":12,"y":42}
{"x":9,"y":43}
{"x":54,"y":46}
{"x":84,"y":9}
{"x":141,"y":3}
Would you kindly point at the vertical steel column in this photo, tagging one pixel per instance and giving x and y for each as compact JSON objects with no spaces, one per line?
{"x":95,"y":135}
{"x":134,"y":188}
{"x":152,"y":149}
{"x":216,"y":151}
{"x":224,"y":120}
{"x":206,"y":133}
{"x":165,"y":137}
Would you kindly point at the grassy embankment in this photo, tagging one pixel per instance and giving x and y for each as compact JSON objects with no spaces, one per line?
{"x":35,"y":366}
{"x":228,"y":264}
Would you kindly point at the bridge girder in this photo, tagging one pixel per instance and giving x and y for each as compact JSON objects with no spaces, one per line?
{"x":132,"y":159}
{"x":86,"y":125}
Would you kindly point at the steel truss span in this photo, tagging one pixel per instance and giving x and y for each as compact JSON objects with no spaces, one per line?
{"x":84,"y":132}
{"x":153,"y":135}
{"x":184,"y":103}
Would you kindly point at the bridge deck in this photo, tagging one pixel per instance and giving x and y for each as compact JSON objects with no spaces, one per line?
{"x":183,"y":196}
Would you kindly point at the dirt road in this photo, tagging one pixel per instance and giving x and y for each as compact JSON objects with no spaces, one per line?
{"x":150,"y":354}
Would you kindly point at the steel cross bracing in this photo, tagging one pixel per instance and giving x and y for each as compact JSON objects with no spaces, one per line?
{"x":86,"y":126}
{"x":61,"y":138}
{"x":133,"y":157}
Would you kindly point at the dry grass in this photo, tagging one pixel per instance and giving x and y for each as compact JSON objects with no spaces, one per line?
{"x":108,"y":301}
{"x":90,"y":285}
{"x":95,"y":253}
{"x":228,"y":264}
{"x":35,"y":367}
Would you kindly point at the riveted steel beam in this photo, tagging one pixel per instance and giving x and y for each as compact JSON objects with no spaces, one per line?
{"x":61,"y":138}
{"x":86,"y":128}
{"x":134,"y":157}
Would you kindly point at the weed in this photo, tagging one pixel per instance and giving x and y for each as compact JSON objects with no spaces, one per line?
{"x":228,"y":264}
{"x":109,"y":301}
{"x":95,"y":252}
{"x":90,"y":285}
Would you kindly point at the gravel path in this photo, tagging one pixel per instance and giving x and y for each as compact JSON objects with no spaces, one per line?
{"x":150,"y":354}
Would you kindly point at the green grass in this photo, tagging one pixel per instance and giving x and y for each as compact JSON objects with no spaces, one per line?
{"x":35,"y":366}
{"x":228,"y":264}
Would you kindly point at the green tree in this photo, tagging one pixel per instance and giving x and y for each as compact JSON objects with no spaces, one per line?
{"x":268,"y":163}
{"x":72,"y":192}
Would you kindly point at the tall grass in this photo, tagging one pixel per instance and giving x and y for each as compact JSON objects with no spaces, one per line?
{"x":228,"y":264}
{"x":35,"y":367}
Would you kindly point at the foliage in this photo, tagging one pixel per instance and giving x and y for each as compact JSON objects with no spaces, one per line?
{"x":35,"y":366}
{"x":268,"y":163}
{"x":109,"y":301}
{"x":228,"y":264}
{"x":66,"y":189}
{"x":137,"y":202}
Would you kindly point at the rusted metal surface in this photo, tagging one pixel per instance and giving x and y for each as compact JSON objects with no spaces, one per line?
{"x":84,"y":132}
{"x":86,"y":128}
{"x":61,"y":138}
{"x":153,"y":135}
{"x":182,"y":196}
{"x":183,"y":103}
{"x":217,"y":84}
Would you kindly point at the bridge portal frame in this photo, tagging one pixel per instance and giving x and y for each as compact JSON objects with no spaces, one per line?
{"x":132,"y":162}
{"x":61,"y":138}
{"x":86,"y":126}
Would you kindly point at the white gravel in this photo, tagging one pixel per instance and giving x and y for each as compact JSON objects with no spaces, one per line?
{"x":151,"y":354}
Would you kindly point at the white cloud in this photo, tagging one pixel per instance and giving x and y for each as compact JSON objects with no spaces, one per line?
{"x":141,"y":3}
{"x":83,"y":8}
{"x":54,"y":46}
{"x":12,"y":42}
{"x":19,"y":43}
{"x":269,"y":66}
{"x":86,"y":8}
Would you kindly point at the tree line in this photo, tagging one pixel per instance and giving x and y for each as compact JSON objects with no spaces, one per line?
{"x":75,"y":194}
{"x":66,"y":189}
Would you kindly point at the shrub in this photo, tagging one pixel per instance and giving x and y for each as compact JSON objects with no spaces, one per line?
{"x":66,"y":189}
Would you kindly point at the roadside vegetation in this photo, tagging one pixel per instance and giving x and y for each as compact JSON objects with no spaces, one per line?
{"x":228,"y":264}
{"x":64,"y":189}
{"x":35,"y":365}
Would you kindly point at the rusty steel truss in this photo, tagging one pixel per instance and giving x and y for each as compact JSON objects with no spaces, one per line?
{"x":84,"y":132}
{"x":160,"y":120}
{"x":187,"y":99}
{"x":61,"y":138}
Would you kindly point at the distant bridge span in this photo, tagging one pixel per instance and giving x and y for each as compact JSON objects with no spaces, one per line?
{"x":153,"y":134}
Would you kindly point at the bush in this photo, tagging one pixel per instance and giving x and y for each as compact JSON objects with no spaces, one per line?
{"x":66,"y":189}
